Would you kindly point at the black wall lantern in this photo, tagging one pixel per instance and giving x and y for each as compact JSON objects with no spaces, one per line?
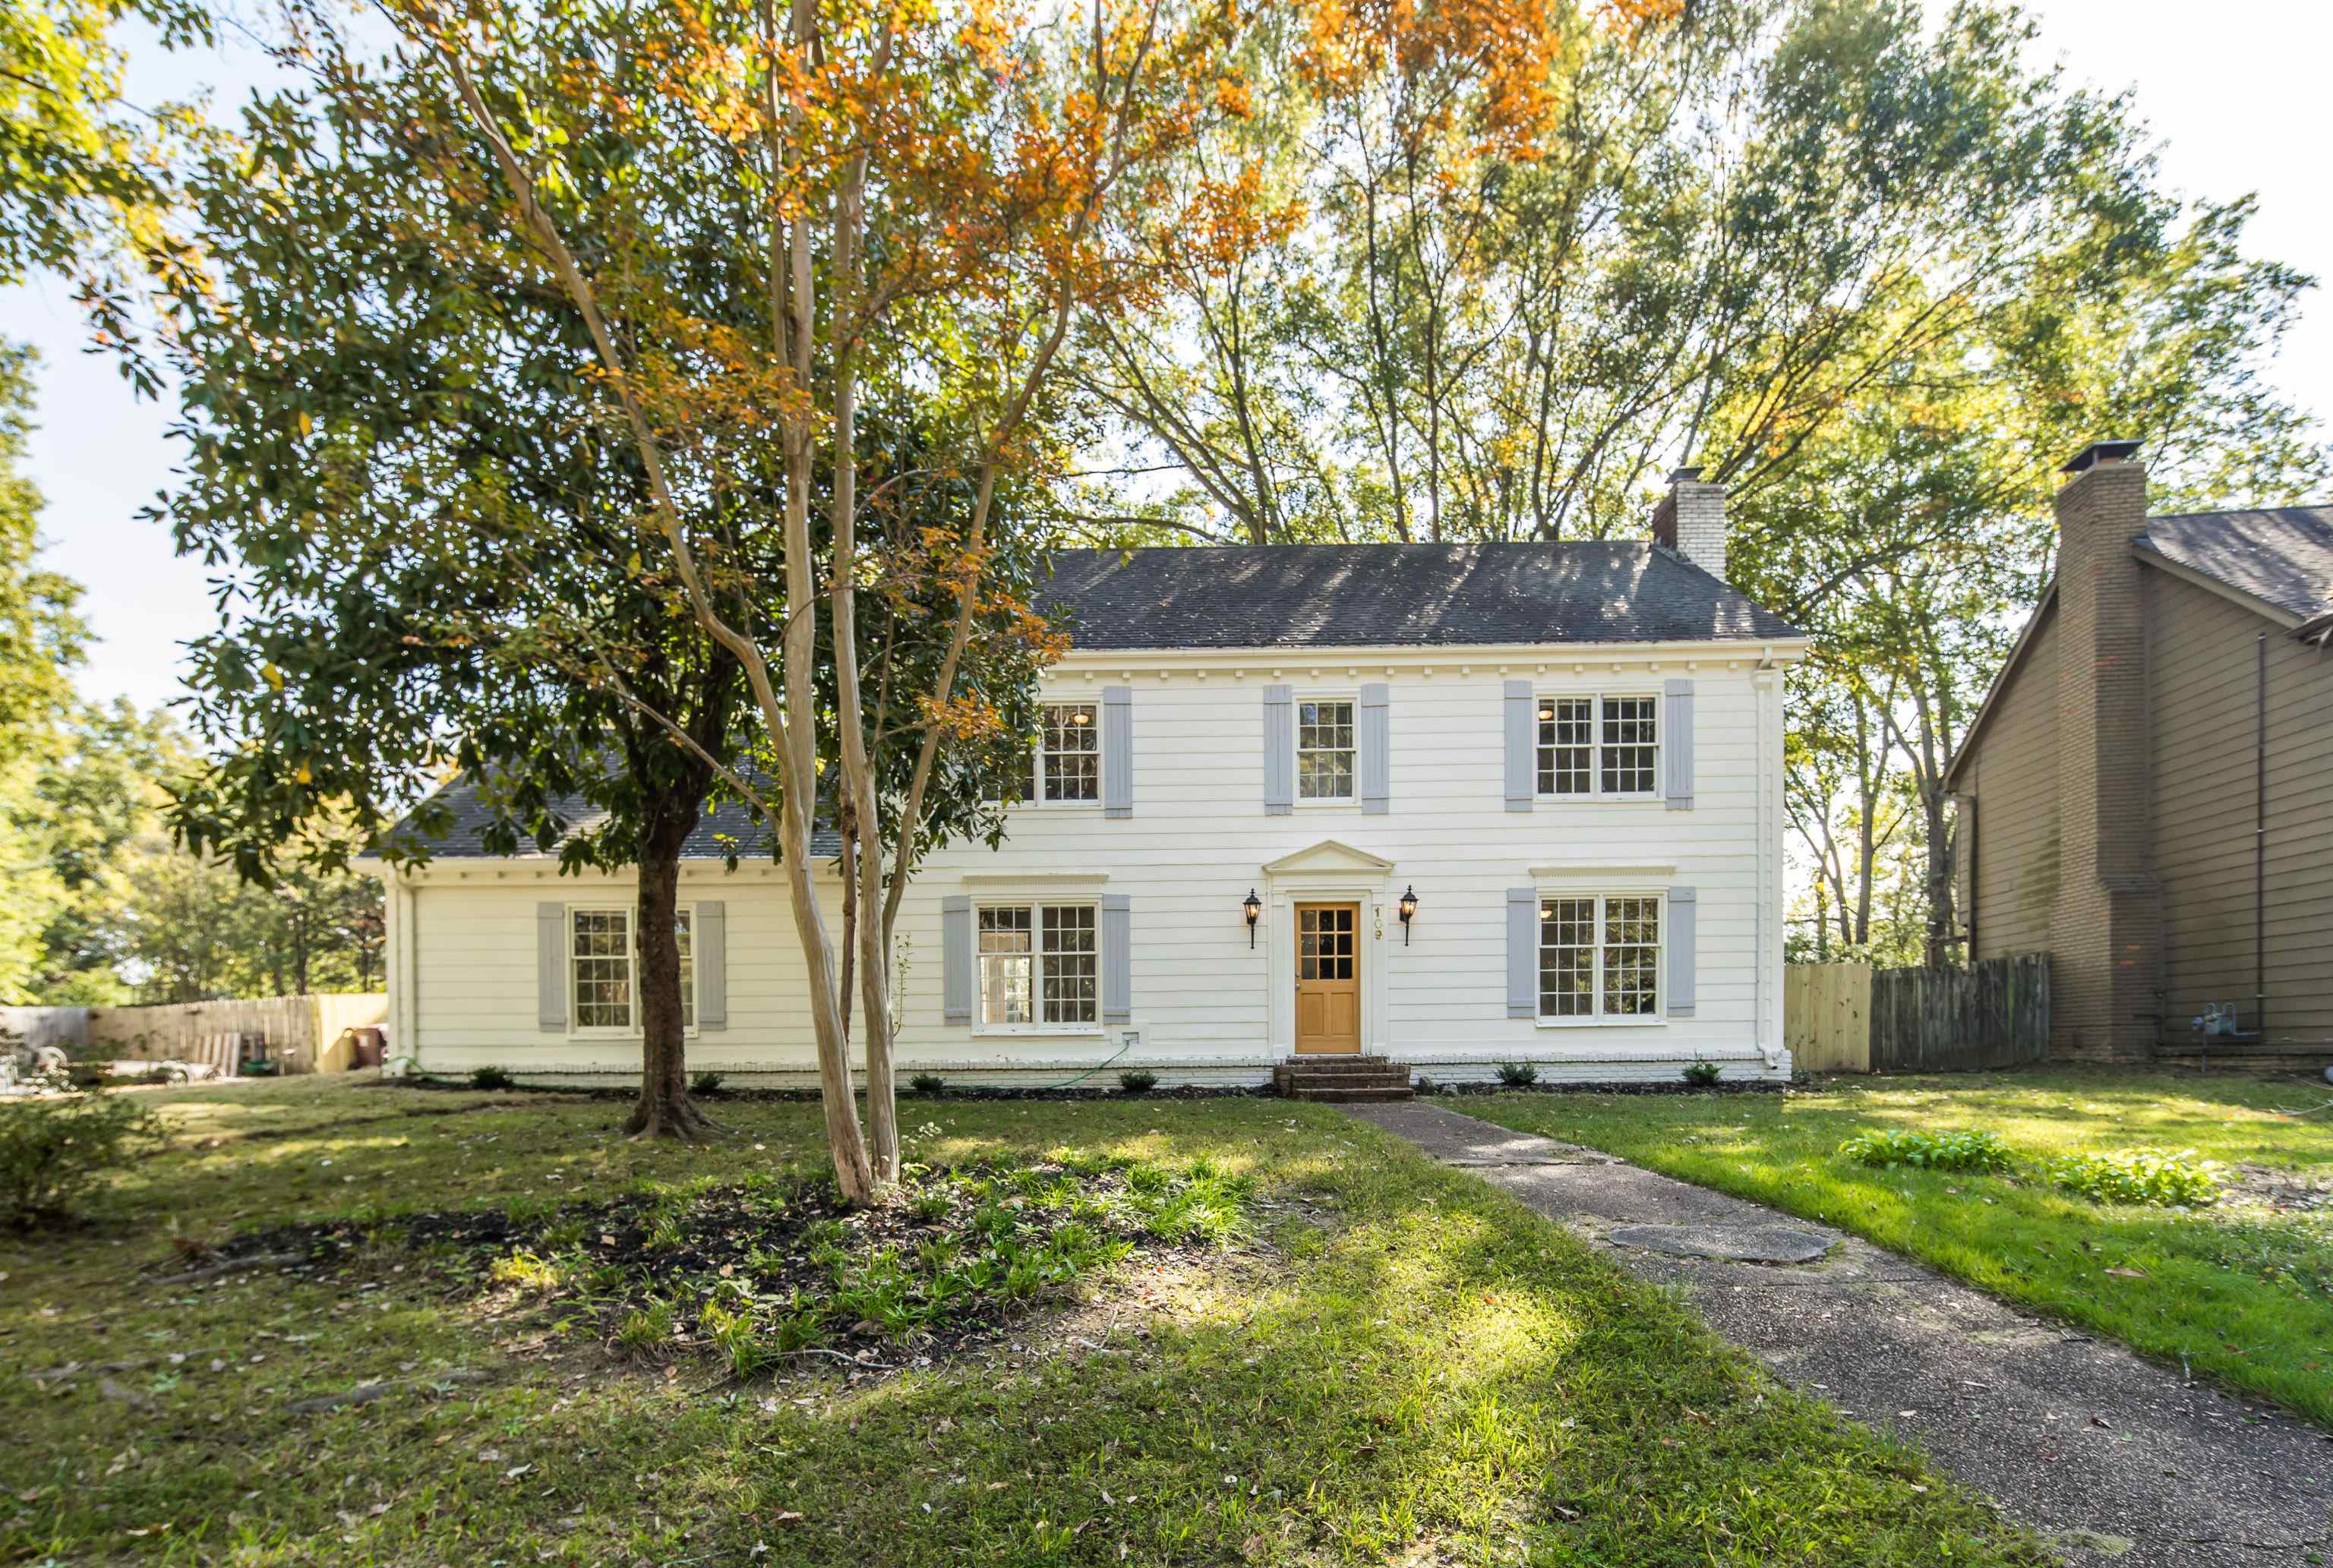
{"x":1408,"y":907}
{"x":1251,"y":906}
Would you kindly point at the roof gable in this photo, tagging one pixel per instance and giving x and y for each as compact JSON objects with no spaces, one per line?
{"x":2280,"y":557}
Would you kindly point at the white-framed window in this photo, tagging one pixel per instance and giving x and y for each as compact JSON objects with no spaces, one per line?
{"x":1599,"y":955}
{"x":604,"y":968}
{"x":1325,"y":759}
{"x":1062,"y":766}
{"x":1040,"y":965}
{"x":1600,"y":745}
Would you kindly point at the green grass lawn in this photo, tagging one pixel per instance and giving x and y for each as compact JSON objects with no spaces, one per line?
{"x":1392,"y":1364}
{"x":2243,"y":1291}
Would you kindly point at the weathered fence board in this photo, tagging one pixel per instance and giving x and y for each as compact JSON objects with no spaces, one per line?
{"x":1827,"y":1017}
{"x":1849,"y":1018}
{"x":298,"y":1031}
{"x":66,"y":1028}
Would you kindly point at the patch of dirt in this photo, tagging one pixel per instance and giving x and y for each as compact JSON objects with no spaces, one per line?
{"x":2286,"y":1192}
{"x":782,"y":1268}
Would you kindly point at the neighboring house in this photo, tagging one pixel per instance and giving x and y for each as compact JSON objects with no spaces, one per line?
{"x":2147,"y":793}
{"x":1569,"y":754}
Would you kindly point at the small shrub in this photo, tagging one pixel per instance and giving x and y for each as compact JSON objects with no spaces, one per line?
{"x":55,"y":1152}
{"x":1518,"y":1075}
{"x":1138,"y":1082}
{"x":492,"y":1078}
{"x":707,"y":1085}
{"x":1702,"y":1073}
{"x":2137,"y":1176}
{"x":1928,"y":1151}
{"x":527,"y":1272}
{"x":928,"y":1083}
{"x":648,"y":1329}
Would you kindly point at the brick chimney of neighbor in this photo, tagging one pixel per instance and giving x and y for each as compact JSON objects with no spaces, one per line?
{"x":2105,"y":1000}
{"x":1691,"y":521}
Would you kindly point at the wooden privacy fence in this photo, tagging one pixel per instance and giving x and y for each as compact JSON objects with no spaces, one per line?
{"x":1849,"y":1018}
{"x":299,"y":1032}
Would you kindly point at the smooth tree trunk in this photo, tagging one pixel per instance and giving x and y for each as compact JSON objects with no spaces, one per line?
{"x":664,"y":1109}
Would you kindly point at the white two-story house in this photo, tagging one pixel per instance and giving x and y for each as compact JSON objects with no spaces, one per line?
{"x":1452,"y":805}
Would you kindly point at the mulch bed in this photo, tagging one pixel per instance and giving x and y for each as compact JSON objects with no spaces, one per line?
{"x":765,"y":1246}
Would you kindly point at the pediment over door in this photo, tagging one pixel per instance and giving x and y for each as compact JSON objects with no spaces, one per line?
{"x":1329,"y":858}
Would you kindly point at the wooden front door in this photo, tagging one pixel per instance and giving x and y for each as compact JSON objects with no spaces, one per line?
{"x":1328,"y":977}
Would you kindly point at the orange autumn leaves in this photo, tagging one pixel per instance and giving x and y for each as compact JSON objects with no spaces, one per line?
{"x":1499,"y":64}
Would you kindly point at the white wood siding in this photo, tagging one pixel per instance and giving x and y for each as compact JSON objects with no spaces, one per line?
{"x":1205,"y":1006}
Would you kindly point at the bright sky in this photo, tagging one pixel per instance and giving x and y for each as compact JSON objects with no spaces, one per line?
{"x":2238,"y":100}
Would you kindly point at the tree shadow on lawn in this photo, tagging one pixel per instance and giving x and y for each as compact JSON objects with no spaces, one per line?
{"x":1433,"y":1374}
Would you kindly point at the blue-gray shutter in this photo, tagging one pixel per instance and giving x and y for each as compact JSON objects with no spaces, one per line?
{"x":550,"y":967}
{"x":1523,"y":750}
{"x":1684,"y":917}
{"x":1117,"y":750}
{"x":1376,"y":743}
{"x":955,"y":958}
{"x":1523,"y":953}
{"x":1117,"y":959}
{"x":1676,"y":746}
{"x":1279,"y":751}
{"x":708,"y":938}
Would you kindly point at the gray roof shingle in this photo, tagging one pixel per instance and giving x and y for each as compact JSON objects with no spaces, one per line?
{"x":1293,"y":597}
{"x":2281,"y":555}
{"x":1342,"y":595}
{"x":729,"y":828}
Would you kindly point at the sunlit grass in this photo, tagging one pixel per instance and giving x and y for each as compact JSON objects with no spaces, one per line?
{"x":1396,"y":1363}
{"x":2238,"y":1290}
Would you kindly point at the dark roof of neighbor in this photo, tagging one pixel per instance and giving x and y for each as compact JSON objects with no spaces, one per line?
{"x":2281,"y":555}
{"x":1342,"y":595}
{"x":729,"y":828}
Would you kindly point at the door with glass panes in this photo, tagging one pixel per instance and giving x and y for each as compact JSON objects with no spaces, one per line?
{"x":1328,"y":978}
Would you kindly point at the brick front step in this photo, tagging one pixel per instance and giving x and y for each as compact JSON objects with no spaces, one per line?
{"x":1378,"y":1094}
{"x":1351,"y":1079}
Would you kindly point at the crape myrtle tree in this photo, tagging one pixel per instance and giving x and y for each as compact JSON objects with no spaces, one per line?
{"x":909,"y":198}
{"x":400,"y":451}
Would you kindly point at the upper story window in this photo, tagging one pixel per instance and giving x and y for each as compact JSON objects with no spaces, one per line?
{"x":1600,"y":957}
{"x":1064,"y":765}
{"x":1324,"y":750}
{"x":604,"y":968}
{"x":1600,"y":745}
{"x":1039,"y":964}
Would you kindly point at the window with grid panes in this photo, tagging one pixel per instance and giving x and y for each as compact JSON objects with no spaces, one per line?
{"x":600,"y":953}
{"x":1598,"y":745}
{"x":1039,"y":964}
{"x":1064,"y":765}
{"x":1324,"y":750}
{"x":1599,"y":956}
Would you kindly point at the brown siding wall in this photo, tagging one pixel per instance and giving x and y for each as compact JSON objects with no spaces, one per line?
{"x":2203,"y":662}
{"x":2012,"y":776}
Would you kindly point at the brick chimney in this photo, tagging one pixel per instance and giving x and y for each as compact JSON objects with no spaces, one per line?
{"x":2105,"y":1000}
{"x":1691,"y":521}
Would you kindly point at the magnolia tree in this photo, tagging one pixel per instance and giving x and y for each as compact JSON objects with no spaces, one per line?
{"x":915,"y":203}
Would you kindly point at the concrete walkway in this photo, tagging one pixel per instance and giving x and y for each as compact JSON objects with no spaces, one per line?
{"x":2112,"y":1459}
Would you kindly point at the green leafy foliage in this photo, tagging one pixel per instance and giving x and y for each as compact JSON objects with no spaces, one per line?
{"x":1138,"y":1082}
{"x":707,"y":1083}
{"x":2138,"y":1176}
{"x":492,"y":1077}
{"x":56,"y":1150}
{"x":1702,"y":1073}
{"x":1518,"y":1075}
{"x":1928,"y":1151}
{"x":928,"y":1083}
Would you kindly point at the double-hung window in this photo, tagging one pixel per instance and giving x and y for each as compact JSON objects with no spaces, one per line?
{"x":1591,"y":746}
{"x":1599,"y":956}
{"x":603,"y":964}
{"x":1324,"y":750}
{"x":1039,"y":965}
{"x":1063,"y":766}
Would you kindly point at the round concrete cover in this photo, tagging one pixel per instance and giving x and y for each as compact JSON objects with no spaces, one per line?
{"x":1742,"y":1243}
